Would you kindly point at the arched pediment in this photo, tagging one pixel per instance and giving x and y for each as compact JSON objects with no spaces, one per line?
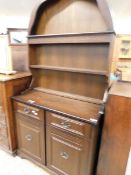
{"x":70,"y":16}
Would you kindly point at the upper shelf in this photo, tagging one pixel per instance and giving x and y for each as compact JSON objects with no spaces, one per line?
{"x":67,"y":69}
{"x":100,"y":37}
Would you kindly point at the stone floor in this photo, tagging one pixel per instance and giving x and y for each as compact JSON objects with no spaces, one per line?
{"x":10,"y":165}
{"x":16,"y":166}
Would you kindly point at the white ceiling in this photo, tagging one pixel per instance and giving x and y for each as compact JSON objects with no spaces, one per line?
{"x":21,"y":11}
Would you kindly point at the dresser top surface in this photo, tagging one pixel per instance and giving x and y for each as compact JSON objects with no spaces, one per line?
{"x":81,"y":110}
{"x":120,"y":88}
{"x":4,"y":77}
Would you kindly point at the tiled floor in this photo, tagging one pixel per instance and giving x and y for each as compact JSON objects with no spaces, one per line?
{"x":16,"y":166}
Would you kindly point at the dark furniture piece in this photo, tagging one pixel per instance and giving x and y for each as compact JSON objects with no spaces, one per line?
{"x":10,"y":85}
{"x":116,"y":142}
{"x":70,"y":46}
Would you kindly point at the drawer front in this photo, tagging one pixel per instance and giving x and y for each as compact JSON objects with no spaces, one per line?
{"x":73,"y":126}
{"x":29,"y":111}
{"x":30,"y":138}
{"x":63,"y":156}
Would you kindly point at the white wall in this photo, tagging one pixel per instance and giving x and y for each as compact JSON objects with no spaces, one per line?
{"x":16,"y":13}
{"x":121,"y":15}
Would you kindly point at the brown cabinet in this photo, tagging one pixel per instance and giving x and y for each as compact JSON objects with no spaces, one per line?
{"x":69,"y":144}
{"x":64,"y":155}
{"x":116,"y":137}
{"x":30,"y":132}
{"x":70,"y":62}
{"x":10,"y":85}
{"x":65,"y":145}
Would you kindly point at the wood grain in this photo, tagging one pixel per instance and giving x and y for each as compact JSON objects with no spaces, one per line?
{"x":62,"y":105}
{"x":116,"y":135}
{"x":11,"y":85}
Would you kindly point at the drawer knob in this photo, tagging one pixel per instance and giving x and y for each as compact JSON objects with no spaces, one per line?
{"x":65,"y":125}
{"x":34,"y":112}
{"x":64,"y":155}
{"x":28,"y":137}
{"x":26,"y":110}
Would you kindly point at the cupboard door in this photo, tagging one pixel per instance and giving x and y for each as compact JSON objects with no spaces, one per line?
{"x":63,"y":155}
{"x":67,"y":154}
{"x":30,"y":137}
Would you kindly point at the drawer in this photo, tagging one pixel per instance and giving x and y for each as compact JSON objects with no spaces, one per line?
{"x":29,"y":111}
{"x":70,"y":125}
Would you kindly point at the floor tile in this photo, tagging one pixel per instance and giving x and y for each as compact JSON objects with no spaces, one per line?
{"x":10,"y":165}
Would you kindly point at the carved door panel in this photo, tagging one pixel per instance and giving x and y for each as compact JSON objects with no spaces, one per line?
{"x":30,"y":137}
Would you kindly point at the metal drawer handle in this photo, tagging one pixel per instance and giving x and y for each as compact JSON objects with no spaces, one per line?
{"x":64,"y":155}
{"x":26,"y":110}
{"x":65,"y":125}
{"x":34,"y":112}
{"x":28,"y":137}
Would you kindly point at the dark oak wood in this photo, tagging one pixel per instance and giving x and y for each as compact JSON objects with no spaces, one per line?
{"x":89,"y":71}
{"x":116,"y":143}
{"x":10,"y":85}
{"x":101,"y":37}
{"x":69,"y":125}
{"x":92,"y":86}
{"x":30,"y":137}
{"x":65,"y":10}
{"x":70,"y":47}
{"x":68,"y":153}
{"x":71,"y":55}
{"x":69,"y":95}
{"x":62,"y":105}
{"x":70,"y":44}
{"x":29,"y":111}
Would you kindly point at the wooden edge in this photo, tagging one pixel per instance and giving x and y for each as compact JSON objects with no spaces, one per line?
{"x":121,"y":88}
{"x":4,"y":78}
{"x":102,"y":5}
{"x":34,"y":15}
{"x":91,"y":121}
{"x":69,"y":95}
{"x":73,"y":34}
{"x":105,"y":11}
{"x":93,"y":37}
{"x":76,"y":70}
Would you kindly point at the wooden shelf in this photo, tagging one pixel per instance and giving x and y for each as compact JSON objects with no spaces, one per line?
{"x":67,"y":69}
{"x":101,"y":37}
{"x":69,"y":95}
